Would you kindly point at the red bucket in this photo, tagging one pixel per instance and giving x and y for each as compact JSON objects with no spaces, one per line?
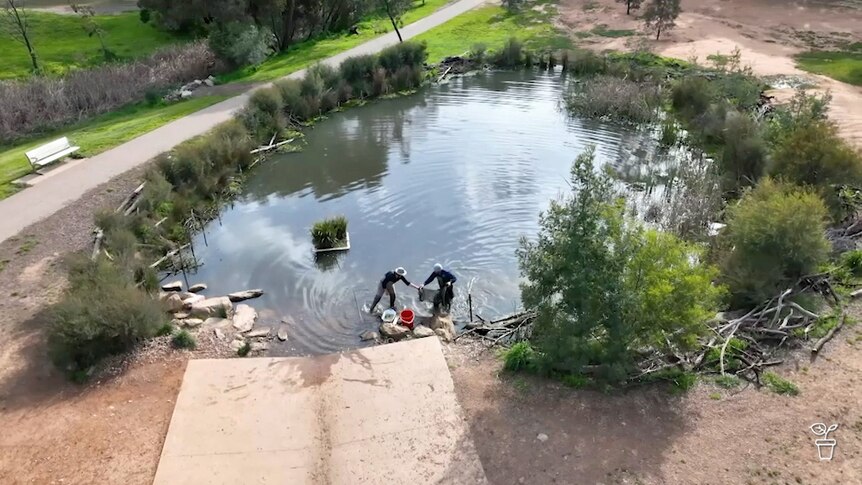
{"x":407,"y":318}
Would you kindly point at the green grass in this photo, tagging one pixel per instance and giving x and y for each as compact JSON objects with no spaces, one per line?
{"x":842,"y":66}
{"x":304,"y":54}
{"x":603,"y":31}
{"x":99,"y":134}
{"x":61,"y":43}
{"x":492,"y":26}
{"x":779,"y":385}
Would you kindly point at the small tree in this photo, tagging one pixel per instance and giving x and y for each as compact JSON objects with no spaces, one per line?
{"x":14,"y":24}
{"x":631,"y":5}
{"x":660,"y":15}
{"x":395,"y":9}
{"x":92,"y":28}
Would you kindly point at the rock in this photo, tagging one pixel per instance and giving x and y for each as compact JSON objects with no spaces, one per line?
{"x":243,"y":319}
{"x":422,"y":331}
{"x":259,"y":346}
{"x":197,"y":288}
{"x":244,"y":295}
{"x":177,"y":323}
{"x":197,"y":82}
{"x":211,"y":307}
{"x":856,"y":294}
{"x":216,"y":322}
{"x":445,"y":335}
{"x":192,"y":299}
{"x":219,"y":333}
{"x":542,"y":437}
{"x":282,"y":334}
{"x":237,"y":344}
{"x":192,"y":322}
{"x":260,"y":332}
{"x":287,"y":321}
{"x":369,"y":335}
{"x":393,"y":331}
{"x":209,"y":82}
{"x":174,"y":303}
{"x":181,"y":315}
{"x":173,"y":286}
{"x":185,"y":94}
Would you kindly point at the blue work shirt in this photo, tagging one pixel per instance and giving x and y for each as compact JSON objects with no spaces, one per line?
{"x":445,"y":277}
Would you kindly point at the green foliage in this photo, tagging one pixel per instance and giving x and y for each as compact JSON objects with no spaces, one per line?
{"x":101,"y":314}
{"x":183,"y":340}
{"x":510,"y":56}
{"x":519,"y":357}
{"x":357,"y":72}
{"x":660,"y":15}
{"x":165,"y":330}
{"x":842,"y":66}
{"x":732,"y":354}
{"x":774,"y":235}
{"x":244,"y":350}
{"x":715,"y":396}
{"x":616,"y":99}
{"x":743,"y":158}
{"x":680,"y":380}
{"x":513,"y":5}
{"x":779,"y":385}
{"x":477,"y":53}
{"x":263,"y":115}
{"x":728,"y":381}
{"x":603,"y":31}
{"x":329,"y":233}
{"x":852,"y":260}
{"x":691,"y":96}
{"x":604,"y":288}
{"x":576,"y":381}
{"x":586,"y":63}
{"x":410,"y":54}
{"x":669,"y":134}
{"x":241,"y":44}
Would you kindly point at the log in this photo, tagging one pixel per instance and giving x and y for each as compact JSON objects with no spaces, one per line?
{"x":131,"y":196}
{"x":97,"y":244}
{"x":829,"y":335}
{"x":271,"y":146}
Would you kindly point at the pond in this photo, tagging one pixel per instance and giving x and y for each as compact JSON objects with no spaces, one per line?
{"x":454,"y":174}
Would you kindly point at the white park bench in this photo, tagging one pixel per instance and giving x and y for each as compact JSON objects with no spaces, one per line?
{"x":50,"y":152}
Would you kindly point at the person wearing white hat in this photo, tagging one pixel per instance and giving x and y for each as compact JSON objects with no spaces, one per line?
{"x":387,"y":285}
{"x":446,"y":280}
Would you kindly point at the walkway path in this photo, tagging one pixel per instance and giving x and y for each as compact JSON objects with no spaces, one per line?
{"x":52,"y":194}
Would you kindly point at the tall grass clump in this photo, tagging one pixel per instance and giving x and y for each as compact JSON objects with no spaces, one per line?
{"x":691,"y":96}
{"x":357,"y":72}
{"x":615,"y":98}
{"x":585,"y":63}
{"x":101,"y":314}
{"x":264,"y":115}
{"x":329,"y":233}
{"x":510,"y":56}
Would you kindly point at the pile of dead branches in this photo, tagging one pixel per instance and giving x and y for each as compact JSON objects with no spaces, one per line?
{"x":508,"y":330}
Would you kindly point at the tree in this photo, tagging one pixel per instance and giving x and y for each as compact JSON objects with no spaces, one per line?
{"x":92,"y":28}
{"x":631,"y":5}
{"x":395,"y":9}
{"x":660,"y":15}
{"x":14,"y":23}
{"x":604,"y":288}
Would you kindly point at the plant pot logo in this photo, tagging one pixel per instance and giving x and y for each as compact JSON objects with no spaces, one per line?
{"x":825,"y":445}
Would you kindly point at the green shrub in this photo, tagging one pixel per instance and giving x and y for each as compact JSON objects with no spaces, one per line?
{"x":728,"y":381}
{"x":165,"y":330}
{"x":183,"y":340}
{"x":774,"y":235}
{"x":852,"y":260}
{"x":616,"y":99}
{"x":691,"y":96}
{"x":477,"y":53}
{"x":585,"y":62}
{"x":510,"y":55}
{"x":100,"y":314}
{"x":669,"y":134}
{"x":358,"y":72}
{"x":406,"y":78}
{"x":263,"y":115}
{"x":743,"y":158}
{"x":241,"y":44}
{"x":329,"y":233}
{"x":779,"y":385}
{"x":410,"y":54}
{"x":519,"y":357}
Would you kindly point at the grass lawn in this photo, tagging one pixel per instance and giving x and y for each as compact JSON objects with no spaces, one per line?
{"x":492,"y":26}
{"x":99,"y":134}
{"x":61,"y":43}
{"x":842,"y":66}
{"x":306,"y":53}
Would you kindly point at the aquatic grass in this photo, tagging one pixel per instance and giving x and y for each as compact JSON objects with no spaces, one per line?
{"x":615,"y":99}
{"x":329,"y":233}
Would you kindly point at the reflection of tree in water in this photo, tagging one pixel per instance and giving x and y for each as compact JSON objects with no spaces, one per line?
{"x":329,"y":260}
{"x":642,"y":165}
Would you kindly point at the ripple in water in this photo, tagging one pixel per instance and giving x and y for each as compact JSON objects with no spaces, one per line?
{"x":455,"y":174}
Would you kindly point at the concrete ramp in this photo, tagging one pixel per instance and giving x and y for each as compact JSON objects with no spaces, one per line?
{"x":380,"y":415}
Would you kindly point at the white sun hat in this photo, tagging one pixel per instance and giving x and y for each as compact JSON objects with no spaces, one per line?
{"x":400,"y":271}
{"x":438,"y":267}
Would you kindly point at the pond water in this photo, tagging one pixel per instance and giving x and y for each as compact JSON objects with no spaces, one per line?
{"x":455,"y":174}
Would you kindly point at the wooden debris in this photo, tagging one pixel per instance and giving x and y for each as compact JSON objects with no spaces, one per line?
{"x":829,"y":335}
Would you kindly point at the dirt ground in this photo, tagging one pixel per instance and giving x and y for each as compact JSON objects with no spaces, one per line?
{"x":111,"y":431}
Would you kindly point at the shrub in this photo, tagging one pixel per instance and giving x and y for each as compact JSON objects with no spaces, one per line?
{"x":727,"y":381}
{"x":329,"y":233}
{"x":617,"y":99}
{"x":513,"y":6}
{"x":669,"y":134}
{"x":101,"y":314}
{"x":379,"y":82}
{"x":691,"y":96}
{"x":605,"y":289}
{"x":183,"y":340}
{"x":263,"y":115}
{"x":477,"y":53}
{"x":779,"y":385}
{"x":518,"y":357}
{"x":241,"y":44}
{"x":406,"y":78}
{"x":358,"y":71}
{"x":585,"y":62}
{"x":774,"y":235}
{"x":743,"y":158}
{"x":410,"y":54}
{"x":852,"y":260}
{"x":165,"y":330}
{"x":510,"y":55}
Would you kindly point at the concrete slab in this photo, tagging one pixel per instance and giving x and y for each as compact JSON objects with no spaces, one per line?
{"x":379,"y":415}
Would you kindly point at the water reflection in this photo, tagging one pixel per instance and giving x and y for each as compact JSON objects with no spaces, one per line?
{"x":454,"y":174}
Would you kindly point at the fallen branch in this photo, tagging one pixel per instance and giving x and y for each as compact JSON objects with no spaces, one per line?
{"x":97,"y":243}
{"x":271,"y":146}
{"x":131,"y":196}
{"x":829,"y":335}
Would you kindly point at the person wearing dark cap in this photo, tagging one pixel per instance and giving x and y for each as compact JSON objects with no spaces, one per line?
{"x":387,"y":285}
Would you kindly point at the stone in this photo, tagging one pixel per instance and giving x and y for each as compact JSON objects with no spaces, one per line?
{"x":260,"y":332}
{"x":369,"y":335}
{"x":259,"y":346}
{"x":173,"y":286}
{"x":174,"y":303}
{"x":245,"y":295}
{"x":192,"y":322}
{"x":197,"y":288}
{"x":192,"y":299}
{"x":282,"y":334}
{"x":209,"y":82}
{"x":181,"y":315}
{"x":185,"y":94}
{"x":542,"y":437}
{"x":211,"y":307}
{"x":197,"y":82}
{"x":216,"y":322}
{"x":237,"y":344}
{"x":393,"y":331}
{"x":287,"y":320}
{"x":422,"y":331}
{"x":219,"y":333}
{"x":445,"y":335}
{"x":243,"y":319}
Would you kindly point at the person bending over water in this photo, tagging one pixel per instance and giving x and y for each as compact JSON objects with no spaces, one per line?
{"x":446,"y":280}
{"x":387,"y":285}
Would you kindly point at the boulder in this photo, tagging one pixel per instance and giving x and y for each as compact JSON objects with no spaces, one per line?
{"x":422,"y":331}
{"x":174,"y":303}
{"x":445,"y":335}
{"x":443,"y":327}
{"x":393,"y":331}
{"x":197,"y":288}
{"x":245,"y":295}
{"x":260,"y":332}
{"x":185,"y":94}
{"x":173,"y":286}
{"x":243,"y":319}
{"x":369,"y":335}
{"x":282,"y":334}
{"x":237,"y":344}
{"x":211,"y":307}
{"x":192,"y":322}
{"x":181,"y":315}
{"x":259,"y":346}
{"x":192,"y":299}
{"x":209,"y":82}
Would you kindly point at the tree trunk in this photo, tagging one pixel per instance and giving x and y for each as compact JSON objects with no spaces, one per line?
{"x":629,"y":7}
{"x":395,"y":25}
{"x":657,"y":32}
